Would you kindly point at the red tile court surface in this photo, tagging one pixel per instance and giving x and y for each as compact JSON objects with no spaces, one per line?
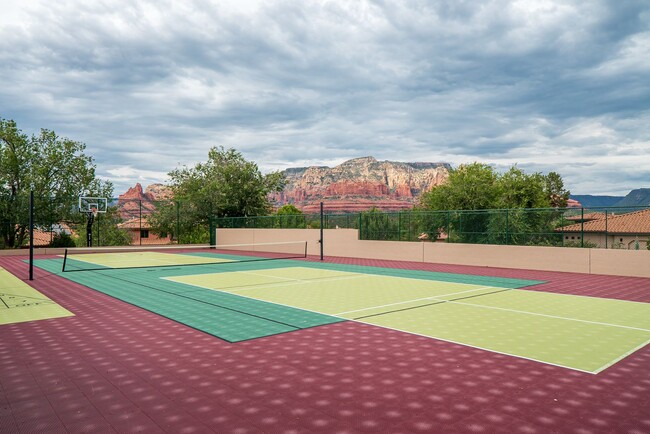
{"x":116,"y":368}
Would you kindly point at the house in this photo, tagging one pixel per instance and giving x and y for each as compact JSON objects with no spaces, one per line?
{"x":620,"y":231}
{"x":140,"y":231}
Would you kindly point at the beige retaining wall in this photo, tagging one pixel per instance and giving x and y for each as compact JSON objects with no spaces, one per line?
{"x":345,"y":243}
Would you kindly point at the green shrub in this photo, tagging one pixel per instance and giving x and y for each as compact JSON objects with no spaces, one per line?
{"x":62,"y":240}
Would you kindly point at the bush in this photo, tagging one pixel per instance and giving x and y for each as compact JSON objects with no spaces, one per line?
{"x":62,"y":240}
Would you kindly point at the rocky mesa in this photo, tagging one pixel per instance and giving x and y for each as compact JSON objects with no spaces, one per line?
{"x":360,"y":184}
{"x":136,"y":200}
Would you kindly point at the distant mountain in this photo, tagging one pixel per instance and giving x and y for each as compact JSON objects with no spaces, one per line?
{"x":638,"y":197}
{"x":360,"y":184}
{"x":591,"y":201}
{"x":135,"y":201}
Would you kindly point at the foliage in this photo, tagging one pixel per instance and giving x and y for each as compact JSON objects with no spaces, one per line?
{"x":288,"y":216}
{"x":586,"y":244}
{"x":288,"y":209}
{"x":105,"y":230}
{"x":376,"y":225}
{"x":484,"y":196}
{"x":227,"y":185}
{"x":471,"y":186}
{"x":55,"y":168}
{"x":62,"y":239}
{"x":555,"y":191}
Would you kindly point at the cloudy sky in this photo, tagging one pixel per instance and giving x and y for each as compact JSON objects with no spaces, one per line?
{"x":151,"y":85}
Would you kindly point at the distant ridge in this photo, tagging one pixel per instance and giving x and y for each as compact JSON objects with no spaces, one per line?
{"x":589,"y":201}
{"x":638,"y":197}
{"x":360,"y":184}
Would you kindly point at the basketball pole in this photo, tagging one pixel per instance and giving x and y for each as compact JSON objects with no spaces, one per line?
{"x":31,"y":235}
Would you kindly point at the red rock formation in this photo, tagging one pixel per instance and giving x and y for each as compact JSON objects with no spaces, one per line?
{"x":360,"y":184}
{"x":135,"y":201}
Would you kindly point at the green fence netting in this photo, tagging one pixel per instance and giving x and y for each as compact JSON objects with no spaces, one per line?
{"x":566,"y":227}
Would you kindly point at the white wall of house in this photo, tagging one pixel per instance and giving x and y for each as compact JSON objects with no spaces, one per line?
{"x":610,"y":241}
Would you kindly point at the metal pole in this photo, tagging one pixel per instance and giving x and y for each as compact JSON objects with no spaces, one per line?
{"x":140,"y":238}
{"x":582,"y":227}
{"x":606,"y":228}
{"x":31,"y":235}
{"x":321,"y":230}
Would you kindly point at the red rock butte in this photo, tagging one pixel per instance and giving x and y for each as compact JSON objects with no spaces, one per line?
{"x":360,"y":184}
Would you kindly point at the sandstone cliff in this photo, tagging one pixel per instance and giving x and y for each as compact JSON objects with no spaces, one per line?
{"x":135,"y":201}
{"x":360,"y":184}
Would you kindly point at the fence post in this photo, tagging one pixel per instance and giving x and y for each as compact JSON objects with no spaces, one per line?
{"x":31,"y":235}
{"x":507,"y":227}
{"x":140,"y":237}
{"x":399,"y":226}
{"x":448,"y":226}
{"x":360,"y":227}
{"x":606,"y":229}
{"x":178,"y":222}
{"x":582,"y":227}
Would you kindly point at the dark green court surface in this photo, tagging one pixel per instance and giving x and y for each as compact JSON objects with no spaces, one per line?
{"x":228,"y":316}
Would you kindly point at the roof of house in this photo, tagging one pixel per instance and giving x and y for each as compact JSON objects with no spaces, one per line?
{"x":135,"y":223}
{"x":42,"y":238}
{"x":588,"y":216}
{"x":637,"y":222}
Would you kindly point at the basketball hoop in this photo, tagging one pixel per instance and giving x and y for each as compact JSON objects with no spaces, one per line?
{"x":94,"y":211}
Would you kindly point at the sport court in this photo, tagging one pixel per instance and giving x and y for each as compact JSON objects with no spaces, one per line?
{"x":103,"y":365}
{"x":242,"y":295}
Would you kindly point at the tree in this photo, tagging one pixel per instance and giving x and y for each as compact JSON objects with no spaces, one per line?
{"x":376,"y":225}
{"x":55,"y":168}
{"x":227,"y":185}
{"x":496,"y":208}
{"x":471,"y":186}
{"x":290,"y":217}
{"x":555,"y":191}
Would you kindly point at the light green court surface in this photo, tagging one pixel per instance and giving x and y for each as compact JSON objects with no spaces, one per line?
{"x":19,"y":302}
{"x":140,"y":259}
{"x":582,"y":333}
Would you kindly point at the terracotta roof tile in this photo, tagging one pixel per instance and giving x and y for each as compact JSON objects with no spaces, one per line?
{"x":637,"y":222}
{"x":135,"y":223}
{"x":588,"y":216}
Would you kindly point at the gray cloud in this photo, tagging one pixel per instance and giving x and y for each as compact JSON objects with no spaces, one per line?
{"x":150,"y":86}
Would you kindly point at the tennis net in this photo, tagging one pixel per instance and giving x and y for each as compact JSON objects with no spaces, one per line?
{"x":102,"y":258}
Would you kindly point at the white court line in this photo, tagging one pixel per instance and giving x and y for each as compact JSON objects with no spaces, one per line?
{"x":612,"y":362}
{"x":550,"y":316}
{"x":286,"y":283}
{"x":479,"y":348}
{"x":621,"y":357}
{"x":415,"y":299}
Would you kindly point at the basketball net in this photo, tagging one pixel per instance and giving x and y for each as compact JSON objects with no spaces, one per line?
{"x":94,"y":211}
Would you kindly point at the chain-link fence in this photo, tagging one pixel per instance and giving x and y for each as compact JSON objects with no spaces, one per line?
{"x":607,"y":227}
{"x":58,"y":223}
